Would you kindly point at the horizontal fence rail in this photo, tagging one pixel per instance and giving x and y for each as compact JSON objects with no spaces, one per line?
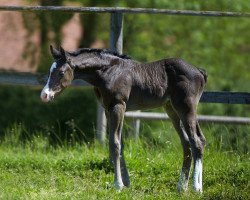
{"x":225,"y":97}
{"x":125,"y":10}
{"x":29,"y":79}
{"x":201,"y":118}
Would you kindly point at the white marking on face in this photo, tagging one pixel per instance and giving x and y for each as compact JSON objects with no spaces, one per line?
{"x":53,"y":66}
{"x":197,"y":184}
{"x":47,"y":94}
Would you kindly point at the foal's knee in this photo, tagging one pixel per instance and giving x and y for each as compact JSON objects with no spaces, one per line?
{"x":115,"y":147}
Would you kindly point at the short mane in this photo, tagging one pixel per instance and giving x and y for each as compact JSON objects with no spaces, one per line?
{"x":98,"y":51}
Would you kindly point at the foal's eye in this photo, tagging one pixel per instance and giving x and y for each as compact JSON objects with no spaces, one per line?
{"x":61,"y":73}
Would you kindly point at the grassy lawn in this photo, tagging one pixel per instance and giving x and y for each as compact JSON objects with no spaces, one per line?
{"x":37,"y":171}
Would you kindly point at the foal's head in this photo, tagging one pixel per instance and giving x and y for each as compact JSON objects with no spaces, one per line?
{"x":61,"y":75}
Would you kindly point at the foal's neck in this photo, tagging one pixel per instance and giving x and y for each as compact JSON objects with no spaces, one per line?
{"x":89,"y":69}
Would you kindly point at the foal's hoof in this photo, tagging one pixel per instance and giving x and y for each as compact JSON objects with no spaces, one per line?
{"x":118,"y":186}
{"x":182,"y":186}
{"x":126,"y":182}
{"x":181,"y":190}
{"x":197,"y":189}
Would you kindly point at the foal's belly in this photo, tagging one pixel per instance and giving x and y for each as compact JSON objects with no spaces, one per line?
{"x":140,"y":100}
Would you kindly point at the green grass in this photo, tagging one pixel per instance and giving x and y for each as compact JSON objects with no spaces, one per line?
{"x":35,"y":170}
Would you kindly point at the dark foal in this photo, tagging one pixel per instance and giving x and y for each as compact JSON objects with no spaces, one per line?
{"x":122,"y":84}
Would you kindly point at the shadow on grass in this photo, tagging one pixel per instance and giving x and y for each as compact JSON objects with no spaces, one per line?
{"x":100,"y":165}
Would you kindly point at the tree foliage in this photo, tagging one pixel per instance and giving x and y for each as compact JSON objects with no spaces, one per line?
{"x":219,"y":45}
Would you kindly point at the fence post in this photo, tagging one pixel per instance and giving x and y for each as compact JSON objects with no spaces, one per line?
{"x":116,"y":32}
{"x":116,"y":43}
{"x":135,"y":124}
{"x":101,"y":124}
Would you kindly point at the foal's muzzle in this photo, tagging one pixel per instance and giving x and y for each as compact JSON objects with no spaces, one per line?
{"x":47,"y":95}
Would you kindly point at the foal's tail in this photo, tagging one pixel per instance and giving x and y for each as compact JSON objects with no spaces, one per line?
{"x":204,"y":73}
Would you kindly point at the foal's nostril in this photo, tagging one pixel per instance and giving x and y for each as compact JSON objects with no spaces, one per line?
{"x":44,"y":97}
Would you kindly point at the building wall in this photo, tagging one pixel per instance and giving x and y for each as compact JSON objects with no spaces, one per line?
{"x":20,"y":46}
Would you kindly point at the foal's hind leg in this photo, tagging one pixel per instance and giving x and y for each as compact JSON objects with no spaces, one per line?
{"x":187,"y":156}
{"x":198,"y":164}
{"x":186,"y":109}
{"x":200,"y":134}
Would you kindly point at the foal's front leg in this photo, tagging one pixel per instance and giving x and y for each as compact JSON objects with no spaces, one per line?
{"x":116,"y":115}
{"x":124,"y":170}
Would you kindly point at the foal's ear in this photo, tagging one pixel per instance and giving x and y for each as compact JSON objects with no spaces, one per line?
{"x":55,"y":53}
{"x":63,"y":53}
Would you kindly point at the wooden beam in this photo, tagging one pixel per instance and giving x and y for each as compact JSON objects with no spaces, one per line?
{"x":30,"y":79}
{"x":124,"y":10}
{"x":116,"y":32}
{"x":226,"y":97}
{"x":21,"y":78}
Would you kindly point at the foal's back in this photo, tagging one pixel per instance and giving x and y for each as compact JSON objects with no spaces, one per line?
{"x":153,"y":83}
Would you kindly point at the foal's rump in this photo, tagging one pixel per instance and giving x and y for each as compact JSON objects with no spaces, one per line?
{"x":182,"y":74}
{"x":204,"y":73}
{"x":185,"y":83}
